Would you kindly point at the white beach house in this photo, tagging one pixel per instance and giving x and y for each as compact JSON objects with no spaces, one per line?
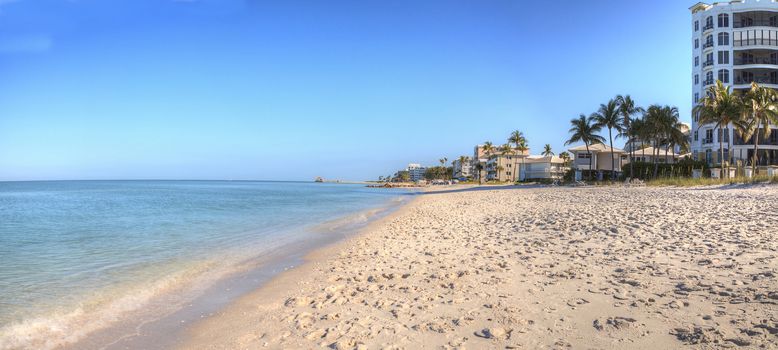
{"x":543,"y":168}
{"x":647,"y":155}
{"x":600,"y":156}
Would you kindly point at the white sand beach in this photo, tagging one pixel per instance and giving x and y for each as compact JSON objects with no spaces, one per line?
{"x":611,"y":267}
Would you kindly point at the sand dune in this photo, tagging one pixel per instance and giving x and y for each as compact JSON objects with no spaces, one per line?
{"x":531,"y":268}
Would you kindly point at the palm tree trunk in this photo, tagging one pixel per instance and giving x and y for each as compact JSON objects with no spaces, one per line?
{"x":655,"y":156}
{"x":667,"y":161}
{"x":516,"y":163}
{"x":729,"y":151}
{"x":756,"y":152}
{"x":721,"y":149}
{"x":631,"y":160}
{"x":613,"y":156}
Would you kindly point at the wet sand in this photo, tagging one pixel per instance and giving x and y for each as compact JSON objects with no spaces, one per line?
{"x":531,"y":268}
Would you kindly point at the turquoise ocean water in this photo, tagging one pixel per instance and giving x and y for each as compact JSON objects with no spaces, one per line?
{"x":75,"y":256}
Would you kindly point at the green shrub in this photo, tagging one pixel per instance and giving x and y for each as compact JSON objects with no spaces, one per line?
{"x":684,"y":167}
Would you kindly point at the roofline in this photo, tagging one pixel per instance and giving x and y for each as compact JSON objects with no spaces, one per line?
{"x":699,"y":6}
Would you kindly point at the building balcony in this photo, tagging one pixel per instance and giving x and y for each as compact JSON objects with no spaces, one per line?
{"x":708,"y":82}
{"x":755,"y":42}
{"x":756,"y":60}
{"x":755,"y":19}
{"x":707,"y":45}
{"x":707,"y":27}
{"x":707,"y":63}
{"x":758,"y":80}
{"x":707,"y":141}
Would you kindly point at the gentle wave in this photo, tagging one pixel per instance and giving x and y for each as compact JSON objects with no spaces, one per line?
{"x":104,"y":308}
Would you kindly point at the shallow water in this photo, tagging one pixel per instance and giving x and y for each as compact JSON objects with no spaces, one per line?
{"x":77,"y":256}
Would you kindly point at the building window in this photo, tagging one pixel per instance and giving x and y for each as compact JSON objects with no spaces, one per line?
{"x":696,"y":135}
{"x":696,"y":79}
{"x":709,"y":22}
{"x":694,"y":155}
{"x":723,"y":135}
{"x":708,"y":136}
{"x":724,"y":76}
{"x":708,"y":156}
{"x":696,"y":26}
{"x":723,"y":20}
{"x":696,"y":97}
{"x":708,"y":78}
{"x":709,"y":58}
{"x":696,"y":61}
{"x":696,"y":43}
{"x":723,"y":39}
{"x":584,"y":155}
{"x":709,"y":41}
{"x":723,"y":57}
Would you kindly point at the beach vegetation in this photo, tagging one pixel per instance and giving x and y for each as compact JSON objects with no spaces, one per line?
{"x":628,"y":108}
{"x":707,"y":181}
{"x":547,"y":152}
{"x":719,"y":107}
{"x":437,"y":173}
{"x":760,"y":110}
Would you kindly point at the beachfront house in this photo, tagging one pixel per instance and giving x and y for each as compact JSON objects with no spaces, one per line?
{"x":543,"y":168}
{"x":647,"y":155}
{"x":600,"y":156}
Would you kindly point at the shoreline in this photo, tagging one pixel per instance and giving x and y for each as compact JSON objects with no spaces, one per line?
{"x":527,"y":267}
{"x":149,"y":328}
{"x":282,"y":283}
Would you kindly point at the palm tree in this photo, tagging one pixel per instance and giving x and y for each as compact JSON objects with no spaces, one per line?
{"x":488,"y":149}
{"x":517,"y":137}
{"x":443,"y":162}
{"x":662,"y":125}
{"x":565,"y":157}
{"x":637,"y":131}
{"x":479,"y":167}
{"x":719,"y":107}
{"x":506,"y":150}
{"x":522,"y":147}
{"x":609,"y":117}
{"x":547,"y":151}
{"x":761,"y":107}
{"x":675,"y":135}
{"x":627,"y":109}
{"x":463,"y":160}
{"x":583,"y":129}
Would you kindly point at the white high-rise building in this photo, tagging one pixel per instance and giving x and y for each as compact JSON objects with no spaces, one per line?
{"x":735,"y":42}
{"x":416,"y":171}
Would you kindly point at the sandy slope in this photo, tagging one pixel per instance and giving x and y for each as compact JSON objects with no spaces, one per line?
{"x":532,"y":268}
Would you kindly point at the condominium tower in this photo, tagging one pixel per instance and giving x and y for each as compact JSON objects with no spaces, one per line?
{"x":735,"y":42}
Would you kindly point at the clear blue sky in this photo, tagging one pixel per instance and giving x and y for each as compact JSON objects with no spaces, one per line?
{"x":289,"y":90}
